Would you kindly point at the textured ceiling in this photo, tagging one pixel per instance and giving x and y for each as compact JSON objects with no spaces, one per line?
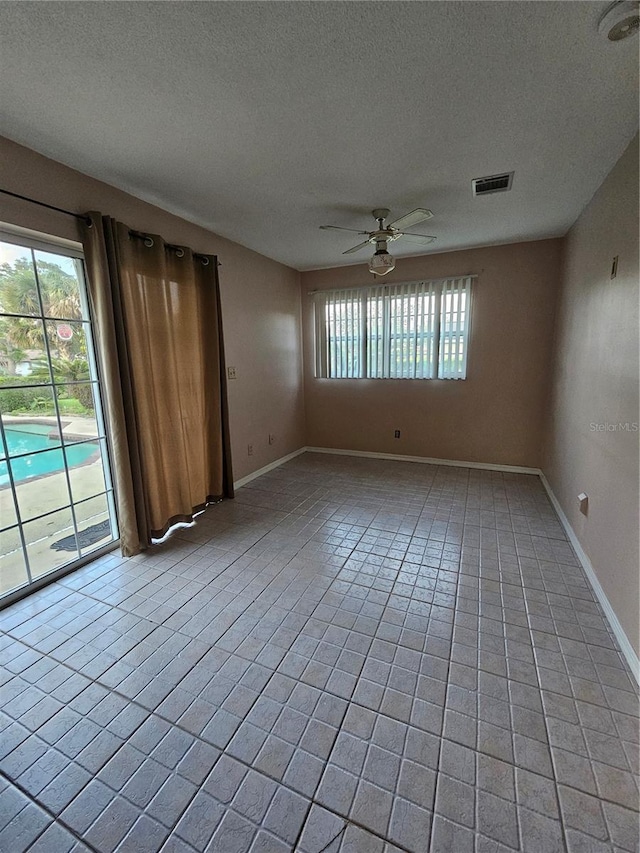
{"x":264,"y":120}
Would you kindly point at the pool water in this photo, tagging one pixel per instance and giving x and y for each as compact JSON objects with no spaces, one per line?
{"x":28,"y":438}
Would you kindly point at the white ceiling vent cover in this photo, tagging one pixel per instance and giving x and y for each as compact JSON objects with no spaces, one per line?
{"x":492,"y":184}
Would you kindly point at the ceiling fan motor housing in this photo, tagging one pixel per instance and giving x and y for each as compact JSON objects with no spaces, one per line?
{"x":384,"y":235}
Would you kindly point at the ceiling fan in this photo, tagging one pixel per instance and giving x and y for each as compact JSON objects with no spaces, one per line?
{"x":382,"y":262}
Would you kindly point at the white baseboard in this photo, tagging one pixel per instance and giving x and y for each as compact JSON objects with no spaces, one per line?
{"x":627,"y":649}
{"x":427,"y":460}
{"x":275,"y":464}
{"x":485,"y":466}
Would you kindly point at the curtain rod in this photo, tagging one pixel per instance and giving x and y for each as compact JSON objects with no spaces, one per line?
{"x":392,"y":284}
{"x":49,"y":206}
{"x":147,"y":239}
{"x":83,"y":218}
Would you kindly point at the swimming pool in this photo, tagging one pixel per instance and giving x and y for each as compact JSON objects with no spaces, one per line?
{"x":29,"y":438}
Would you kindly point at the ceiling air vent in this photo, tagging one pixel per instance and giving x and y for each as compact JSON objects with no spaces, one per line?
{"x":492,"y":184}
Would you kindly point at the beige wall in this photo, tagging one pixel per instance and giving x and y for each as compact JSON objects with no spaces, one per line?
{"x":260,"y":298}
{"x":496,"y":415}
{"x":595,"y":381}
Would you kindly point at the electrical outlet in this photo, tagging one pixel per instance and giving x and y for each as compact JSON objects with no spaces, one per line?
{"x":583,"y":503}
{"x":396,"y":434}
{"x":272,"y":438}
{"x":249,"y":449}
{"x":231,"y":372}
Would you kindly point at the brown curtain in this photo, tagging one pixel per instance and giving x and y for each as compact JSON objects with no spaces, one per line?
{"x":158,"y":329}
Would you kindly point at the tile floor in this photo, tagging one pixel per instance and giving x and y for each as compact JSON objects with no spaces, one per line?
{"x":354,"y":655}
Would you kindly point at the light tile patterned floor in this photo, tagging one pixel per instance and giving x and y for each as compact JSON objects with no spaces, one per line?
{"x":354,"y":656}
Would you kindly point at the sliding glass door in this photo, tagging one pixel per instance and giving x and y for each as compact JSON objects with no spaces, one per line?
{"x":56,"y":495}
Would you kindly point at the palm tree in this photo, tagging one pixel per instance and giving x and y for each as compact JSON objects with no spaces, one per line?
{"x":59,"y":290}
{"x":18,"y":288}
{"x":19,"y":333}
{"x":63,"y":369}
{"x":66,"y":370}
{"x":60,"y":297}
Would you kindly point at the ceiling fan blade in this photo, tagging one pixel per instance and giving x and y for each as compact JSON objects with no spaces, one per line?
{"x":417,"y":238}
{"x":338,"y":228}
{"x":357,"y":248}
{"x":409,"y":219}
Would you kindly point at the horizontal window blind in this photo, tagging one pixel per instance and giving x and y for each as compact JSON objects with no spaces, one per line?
{"x":414,"y":330}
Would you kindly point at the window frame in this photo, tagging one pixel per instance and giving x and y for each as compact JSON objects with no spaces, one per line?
{"x":435,"y":332}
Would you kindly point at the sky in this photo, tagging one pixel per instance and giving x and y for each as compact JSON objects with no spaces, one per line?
{"x":10,"y":253}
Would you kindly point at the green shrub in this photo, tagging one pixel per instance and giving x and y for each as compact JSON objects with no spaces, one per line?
{"x":16,"y":399}
{"x":42,"y":405}
{"x":82,"y":393}
{"x":72,"y":399}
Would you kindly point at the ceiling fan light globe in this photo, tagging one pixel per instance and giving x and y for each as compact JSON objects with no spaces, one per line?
{"x":381,"y":263}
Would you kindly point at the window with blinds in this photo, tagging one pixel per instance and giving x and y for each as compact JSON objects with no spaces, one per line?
{"x":417,"y":330}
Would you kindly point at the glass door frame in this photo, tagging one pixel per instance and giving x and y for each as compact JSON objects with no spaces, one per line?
{"x":33,"y":241}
